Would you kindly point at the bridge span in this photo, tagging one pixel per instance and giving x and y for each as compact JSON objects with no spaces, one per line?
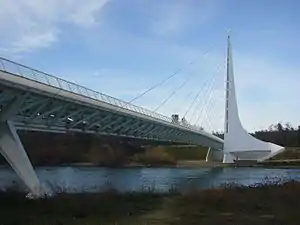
{"x":33,"y":100}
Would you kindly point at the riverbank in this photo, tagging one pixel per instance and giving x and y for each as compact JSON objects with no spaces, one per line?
{"x":180,"y":163}
{"x":288,"y":163}
{"x":282,"y":163}
{"x":263,"y":204}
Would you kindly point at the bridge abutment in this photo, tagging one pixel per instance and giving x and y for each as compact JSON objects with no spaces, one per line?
{"x":228,"y":158}
{"x":214,"y":155}
{"x":13,"y":151}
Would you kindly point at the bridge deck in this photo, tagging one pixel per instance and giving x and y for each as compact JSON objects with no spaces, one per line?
{"x":38,"y":101}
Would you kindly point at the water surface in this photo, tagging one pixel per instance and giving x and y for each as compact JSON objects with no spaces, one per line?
{"x":91,"y":179}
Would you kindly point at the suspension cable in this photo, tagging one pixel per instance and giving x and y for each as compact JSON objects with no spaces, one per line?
{"x":172,"y":94}
{"x":210,"y":104}
{"x":177,"y":89}
{"x":206,"y":106}
{"x":206,"y":100}
{"x":166,"y":79}
{"x":205,"y":89}
{"x":211,"y":113}
{"x":192,"y":103}
{"x":183,"y":100}
{"x":160,"y":83}
{"x":208,"y":87}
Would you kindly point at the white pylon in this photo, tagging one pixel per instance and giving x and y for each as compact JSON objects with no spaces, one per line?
{"x":238,"y":143}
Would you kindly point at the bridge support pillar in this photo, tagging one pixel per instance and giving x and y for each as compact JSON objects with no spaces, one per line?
{"x":214,"y":155}
{"x":13,"y":151}
{"x":228,"y":158}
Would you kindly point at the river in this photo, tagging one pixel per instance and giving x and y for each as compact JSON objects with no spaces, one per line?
{"x":94,"y":179}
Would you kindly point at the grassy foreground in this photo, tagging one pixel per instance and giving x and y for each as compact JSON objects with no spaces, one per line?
{"x":262,"y":204}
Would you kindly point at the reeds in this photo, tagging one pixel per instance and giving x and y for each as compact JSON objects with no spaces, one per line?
{"x":271,"y":202}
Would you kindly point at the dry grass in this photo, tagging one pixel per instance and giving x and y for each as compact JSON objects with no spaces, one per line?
{"x":262,"y":204}
{"x":186,"y":152}
{"x":154,"y":157}
{"x":289,"y":153}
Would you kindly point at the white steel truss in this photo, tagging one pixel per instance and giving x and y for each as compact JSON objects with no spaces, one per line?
{"x":32,"y":100}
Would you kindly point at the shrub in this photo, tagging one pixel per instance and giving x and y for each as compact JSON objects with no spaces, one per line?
{"x":154,"y":156}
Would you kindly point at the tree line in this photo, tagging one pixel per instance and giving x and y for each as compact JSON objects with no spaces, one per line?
{"x":57,"y":149}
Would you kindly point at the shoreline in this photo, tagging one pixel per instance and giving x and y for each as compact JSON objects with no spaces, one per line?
{"x":284,"y":164}
{"x":280,"y":164}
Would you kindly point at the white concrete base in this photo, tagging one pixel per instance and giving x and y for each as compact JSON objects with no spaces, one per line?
{"x":12,"y":149}
{"x":228,"y":158}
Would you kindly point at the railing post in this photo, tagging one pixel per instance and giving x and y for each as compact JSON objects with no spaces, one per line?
{"x":19,"y":71}
{"x":70,"y":89}
{"x":47,"y":79}
{"x":2,"y":65}
{"x":58,"y":82}
{"x":34,"y":75}
{"x":79,"y":92}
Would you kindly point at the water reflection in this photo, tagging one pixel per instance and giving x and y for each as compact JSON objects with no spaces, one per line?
{"x":91,"y":179}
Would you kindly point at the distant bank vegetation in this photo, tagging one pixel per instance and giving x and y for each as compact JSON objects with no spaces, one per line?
{"x":57,"y":149}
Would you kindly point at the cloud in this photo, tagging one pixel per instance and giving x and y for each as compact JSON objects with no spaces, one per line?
{"x":34,"y":41}
{"x":26,"y":25}
{"x":85,"y":15}
{"x":177,"y":16}
{"x":170,"y":18}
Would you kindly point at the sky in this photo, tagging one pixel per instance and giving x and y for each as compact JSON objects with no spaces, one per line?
{"x":124,"y":47}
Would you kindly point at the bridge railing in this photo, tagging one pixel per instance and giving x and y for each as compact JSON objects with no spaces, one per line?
{"x":38,"y":76}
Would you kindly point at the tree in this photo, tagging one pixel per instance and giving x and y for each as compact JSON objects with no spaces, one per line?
{"x":288,"y":126}
{"x":298,"y":132}
{"x":271,"y":127}
{"x":279,"y":127}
